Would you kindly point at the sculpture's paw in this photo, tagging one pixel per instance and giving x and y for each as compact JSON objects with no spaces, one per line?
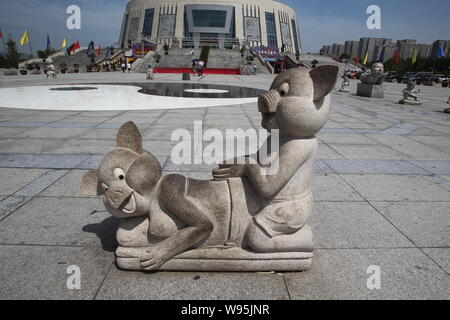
{"x":154,"y":259}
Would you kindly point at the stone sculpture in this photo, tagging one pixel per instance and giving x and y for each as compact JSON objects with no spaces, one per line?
{"x":244,"y":219}
{"x":50,"y":68}
{"x":345,"y":84}
{"x":371,"y":84}
{"x":149,"y":72}
{"x":410,"y":95}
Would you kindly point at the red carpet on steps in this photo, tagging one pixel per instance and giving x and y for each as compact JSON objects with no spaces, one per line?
{"x":189,"y":70}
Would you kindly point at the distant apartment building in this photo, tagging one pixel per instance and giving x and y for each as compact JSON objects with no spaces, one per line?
{"x":444,"y":44}
{"x":351,"y":48}
{"x":372,"y":46}
{"x":338,"y":49}
{"x":424,"y":50}
{"x":406,"y":48}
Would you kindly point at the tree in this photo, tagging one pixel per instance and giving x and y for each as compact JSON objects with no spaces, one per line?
{"x":12,"y":55}
{"x":344,"y":56}
{"x":44,"y":54}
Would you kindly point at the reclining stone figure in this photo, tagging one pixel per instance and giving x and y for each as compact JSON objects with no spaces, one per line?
{"x":244,"y":219}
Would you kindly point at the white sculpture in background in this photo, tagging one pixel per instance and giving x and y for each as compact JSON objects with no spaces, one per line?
{"x":410,"y":94}
{"x":50,"y":68}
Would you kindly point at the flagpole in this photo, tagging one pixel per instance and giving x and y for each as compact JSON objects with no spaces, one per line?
{"x":4,"y":48}
{"x":31,"y":49}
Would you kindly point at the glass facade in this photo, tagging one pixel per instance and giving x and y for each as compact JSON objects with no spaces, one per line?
{"x":294,"y":29}
{"x":209,"y":18}
{"x":148,"y":22}
{"x":271,"y":30}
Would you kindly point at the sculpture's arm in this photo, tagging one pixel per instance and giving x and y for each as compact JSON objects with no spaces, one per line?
{"x":268,"y":181}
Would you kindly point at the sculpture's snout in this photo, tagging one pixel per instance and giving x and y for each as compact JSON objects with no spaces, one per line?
{"x":268,"y":102}
{"x":116,"y":196}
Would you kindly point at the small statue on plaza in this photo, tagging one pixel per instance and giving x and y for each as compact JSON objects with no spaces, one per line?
{"x":149,"y":72}
{"x":410,"y":94}
{"x":50,"y":68}
{"x":448,"y":109}
{"x":251,"y":217}
{"x":371,"y":83}
{"x":345,"y":84}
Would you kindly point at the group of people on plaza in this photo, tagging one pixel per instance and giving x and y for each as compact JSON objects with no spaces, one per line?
{"x":198,"y":67}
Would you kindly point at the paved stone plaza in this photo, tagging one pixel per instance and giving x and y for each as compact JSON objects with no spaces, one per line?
{"x":382,"y":192}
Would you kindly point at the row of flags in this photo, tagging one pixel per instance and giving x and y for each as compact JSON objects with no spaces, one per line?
{"x":440,"y":54}
{"x":25,"y":39}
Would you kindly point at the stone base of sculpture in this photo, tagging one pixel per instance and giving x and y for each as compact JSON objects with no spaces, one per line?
{"x":217,"y":259}
{"x":411,"y":102}
{"x":370,"y":90}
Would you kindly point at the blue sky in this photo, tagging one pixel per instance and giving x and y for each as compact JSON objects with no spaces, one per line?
{"x":321,"y":21}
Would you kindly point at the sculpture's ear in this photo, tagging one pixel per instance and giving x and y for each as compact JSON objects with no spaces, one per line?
{"x":89,"y":184}
{"x":129,"y":137}
{"x":324,"y":79}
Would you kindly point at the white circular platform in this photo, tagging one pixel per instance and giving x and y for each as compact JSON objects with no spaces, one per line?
{"x":206,"y":91}
{"x":104,"y":97}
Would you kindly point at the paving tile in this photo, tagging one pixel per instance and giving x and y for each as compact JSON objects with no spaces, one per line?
{"x":425,"y":223}
{"x":353,"y":225}
{"x":345,"y":139}
{"x":40,"y":184}
{"x":342,"y":274}
{"x":10,"y":204}
{"x":368,"y":152}
{"x":51,"y":133}
{"x":374,"y":167}
{"x":41,"y":161}
{"x":28,"y":145}
{"x":325,"y":152}
{"x":60,"y":221}
{"x":396,"y":188}
{"x":84,"y":146}
{"x":435,"y":167}
{"x":15,"y":179}
{"x":192,"y":286}
{"x":415,"y":150}
{"x":441,"y":256}
{"x":7,"y":132}
{"x":332,"y":188}
{"x":67,"y":186}
{"x":40,"y":273}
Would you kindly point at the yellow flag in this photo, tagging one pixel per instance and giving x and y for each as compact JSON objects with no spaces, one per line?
{"x":25,"y":38}
{"x":366,"y":58}
{"x":414,"y":58}
{"x":64,"y":43}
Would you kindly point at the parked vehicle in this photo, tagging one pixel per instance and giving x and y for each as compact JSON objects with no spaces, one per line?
{"x":393,"y":76}
{"x":353,"y":74}
{"x":429,"y":78}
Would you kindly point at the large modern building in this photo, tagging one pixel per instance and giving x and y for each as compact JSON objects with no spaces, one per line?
{"x":215,"y":23}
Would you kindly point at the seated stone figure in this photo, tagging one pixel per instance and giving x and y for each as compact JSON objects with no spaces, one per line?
{"x":246,"y":219}
{"x":376,"y":75}
{"x":371,"y":84}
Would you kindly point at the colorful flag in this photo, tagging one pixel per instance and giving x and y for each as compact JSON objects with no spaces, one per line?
{"x":48,"y":42}
{"x":441,"y":53}
{"x":414,"y":57}
{"x":1,"y":34}
{"x":366,"y":58}
{"x":64,"y":43}
{"x":99,"y":52}
{"x":357,"y":60}
{"x":25,"y":38}
{"x":76,"y":46}
{"x":383,"y":54}
{"x":397,"y":58}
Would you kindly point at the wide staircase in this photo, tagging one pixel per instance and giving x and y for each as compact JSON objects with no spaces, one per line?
{"x":217,"y":59}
